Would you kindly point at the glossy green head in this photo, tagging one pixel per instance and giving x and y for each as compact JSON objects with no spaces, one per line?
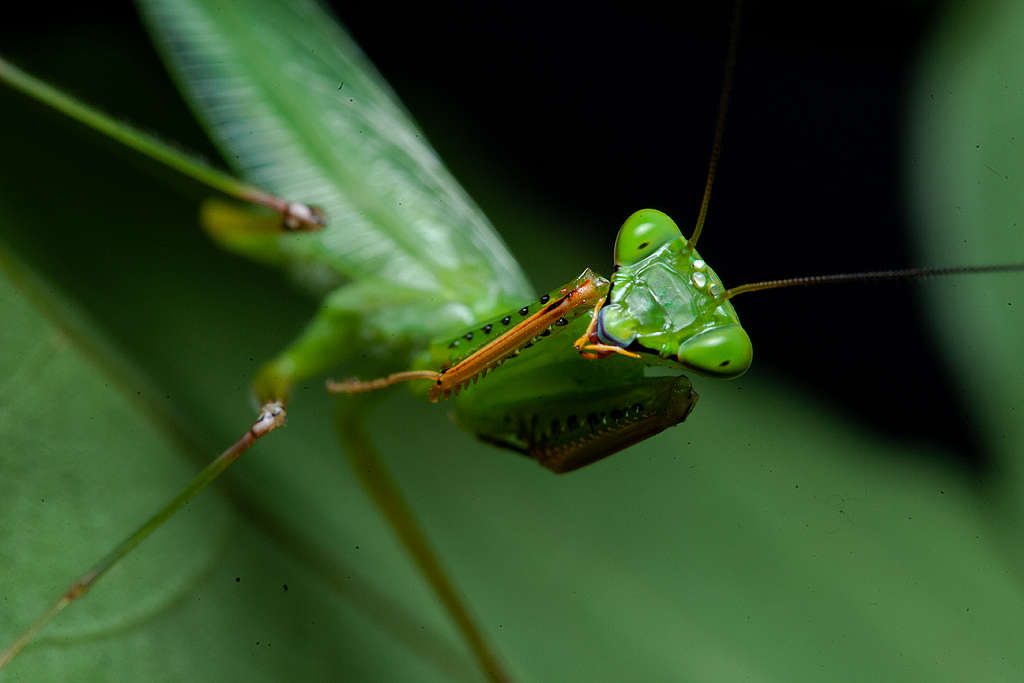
{"x":667,"y":302}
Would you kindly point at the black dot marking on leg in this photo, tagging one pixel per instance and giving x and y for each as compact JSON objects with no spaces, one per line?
{"x":527,"y":345}
{"x":486,"y":329}
{"x":506,"y":320}
{"x":561,"y":322}
{"x":546,"y":332}
{"x":643,"y":245}
{"x":468,"y":336}
{"x":524,"y":310}
{"x":453,"y":344}
{"x":544,"y":299}
{"x":723,"y":363}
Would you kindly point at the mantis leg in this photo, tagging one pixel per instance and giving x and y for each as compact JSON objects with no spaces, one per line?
{"x":348,"y":320}
{"x":590,"y":346}
{"x":243,"y":229}
{"x":571,"y":417}
{"x":292,"y":216}
{"x":325,"y":342}
{"x":271,"y":417}
{"x":384,"y":491}
{"x":471,"y":355}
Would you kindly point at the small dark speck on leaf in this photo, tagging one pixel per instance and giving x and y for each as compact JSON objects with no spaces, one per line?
{"x":284,"y":586}
{"x":341,"y":85}
{"x":238,"y":579}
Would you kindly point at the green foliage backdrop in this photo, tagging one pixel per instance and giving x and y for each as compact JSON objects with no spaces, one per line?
{"x":769,"y":538}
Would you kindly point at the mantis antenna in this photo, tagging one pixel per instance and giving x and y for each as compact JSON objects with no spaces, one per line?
{"x":900,"y":274}
{"x":723,"y":108}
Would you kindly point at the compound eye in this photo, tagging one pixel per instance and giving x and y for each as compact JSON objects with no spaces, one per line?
{"x":642,"y":234}
{"x":723,"y":351}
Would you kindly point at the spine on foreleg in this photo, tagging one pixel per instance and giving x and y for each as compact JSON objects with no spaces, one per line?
{"x":466,"y":358}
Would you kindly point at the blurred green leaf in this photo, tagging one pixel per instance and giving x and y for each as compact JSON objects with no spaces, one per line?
{"x":966,"y":164}
{"x":768,"y":538}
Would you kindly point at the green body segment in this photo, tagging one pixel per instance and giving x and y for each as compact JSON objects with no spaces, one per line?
{"x":566,"y":412}
{"x":448,"y":351}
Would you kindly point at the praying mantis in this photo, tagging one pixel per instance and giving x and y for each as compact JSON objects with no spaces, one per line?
{"x":607,"y":543}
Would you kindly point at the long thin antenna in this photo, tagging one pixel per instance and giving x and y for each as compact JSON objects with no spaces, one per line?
{"x":902,"y":274}
{"x":723,"y":108}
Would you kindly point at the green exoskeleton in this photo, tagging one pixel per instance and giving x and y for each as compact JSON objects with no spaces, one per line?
{"x":554,"y":401}
{"x":410,"y":270}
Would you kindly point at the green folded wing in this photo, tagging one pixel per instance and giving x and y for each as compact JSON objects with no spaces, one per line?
{"x":297,"y":108}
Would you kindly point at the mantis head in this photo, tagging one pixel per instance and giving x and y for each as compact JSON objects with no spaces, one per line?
{"x":667,"y":302}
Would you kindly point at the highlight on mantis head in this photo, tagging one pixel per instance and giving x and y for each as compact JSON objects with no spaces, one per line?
{"x":678,"y":547}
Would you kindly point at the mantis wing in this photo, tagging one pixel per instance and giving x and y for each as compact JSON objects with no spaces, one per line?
{"x":967,"y":199}
{"x":299,"y":110}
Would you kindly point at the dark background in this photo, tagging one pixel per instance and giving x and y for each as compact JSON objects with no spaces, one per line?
{"x":561,"y":123}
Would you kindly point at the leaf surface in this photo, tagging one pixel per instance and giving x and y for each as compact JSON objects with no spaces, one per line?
{"x":771,"y":537}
